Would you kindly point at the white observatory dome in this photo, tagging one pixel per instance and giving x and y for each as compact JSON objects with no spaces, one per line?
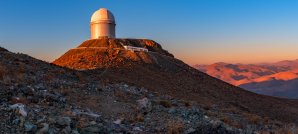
{"x":102,"y":15}
{"x":102,"y":24}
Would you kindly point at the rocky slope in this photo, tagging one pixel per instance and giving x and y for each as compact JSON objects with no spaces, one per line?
{"x":130,"y":96}
{"x":164,"y":74}
{"x":38,"y":97}
{"x":275,"y":79}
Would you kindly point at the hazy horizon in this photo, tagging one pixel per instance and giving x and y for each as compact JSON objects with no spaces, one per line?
{"x":197,"y":32}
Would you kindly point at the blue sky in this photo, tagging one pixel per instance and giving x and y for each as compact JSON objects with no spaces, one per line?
{"x":196,"y":31}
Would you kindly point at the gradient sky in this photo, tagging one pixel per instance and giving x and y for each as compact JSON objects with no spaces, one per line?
{"x":195,"y":31}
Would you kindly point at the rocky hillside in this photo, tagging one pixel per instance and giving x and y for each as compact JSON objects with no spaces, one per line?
{"x":130,"y":95}
{"x":38,"y":97}
{"x":164,"y":74}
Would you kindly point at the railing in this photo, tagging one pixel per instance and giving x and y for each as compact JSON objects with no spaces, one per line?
{"x":131,"y":48}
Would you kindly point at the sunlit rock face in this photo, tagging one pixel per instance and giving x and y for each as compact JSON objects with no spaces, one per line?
{"x":102,"y":24}
{"x":109,"y":52}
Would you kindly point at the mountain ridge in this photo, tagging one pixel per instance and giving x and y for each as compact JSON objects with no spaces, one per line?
{"x":261,"y":78}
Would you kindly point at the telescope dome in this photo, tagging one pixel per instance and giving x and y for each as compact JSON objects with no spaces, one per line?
{"x":102,"y":14}
{"x":102,"y":24}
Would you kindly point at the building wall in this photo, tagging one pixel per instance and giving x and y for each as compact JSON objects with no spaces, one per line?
{"x":101,"y":29}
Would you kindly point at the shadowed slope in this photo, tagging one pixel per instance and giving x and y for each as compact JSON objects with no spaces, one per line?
{"x":181,"y":81}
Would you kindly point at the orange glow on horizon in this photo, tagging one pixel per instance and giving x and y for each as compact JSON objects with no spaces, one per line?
{"x":245,"y":53}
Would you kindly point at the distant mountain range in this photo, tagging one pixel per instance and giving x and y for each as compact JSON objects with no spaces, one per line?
{"x":277,"y":79}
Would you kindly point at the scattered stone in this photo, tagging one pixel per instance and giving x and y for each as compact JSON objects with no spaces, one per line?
{"x":144,"y":103}
{"x":21,"y":100}
{"x":190,"y":131}
{"x":74,"y":132}
{"x":91,"y":114}
{"x":125,"y":85}
{"x":92,"y":122}
{"x":21,"y":109}
{"x":91,"y":129}
{"x":16,"y":121}
{"x":29,"y":127}
{"x":40,"y":86}
{"x":22,"y":121}
{"x":118,"y":121}
{"x":51,"y":120}
{"x":66,"y":130}
{"x":172,"y":111}
{"x":52,"y":131}
{"x":44,"y":129}
{"x":64,"y":121}
{"x":137,"y":129}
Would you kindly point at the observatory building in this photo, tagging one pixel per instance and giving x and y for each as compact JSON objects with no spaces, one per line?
{"x":102,"y":24}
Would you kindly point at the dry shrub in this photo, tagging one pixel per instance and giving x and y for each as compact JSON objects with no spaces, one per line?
{"x":81,"y":123}
{"x":231,"y":109}
{"x":6,"y":75}
{"x":20,"y":74}
{"x":165,"y":103}
{"x":231,"y":122}
{"x":284,"y":130}
{"x":288,"y":129}
{"x":207,"y":107}
{"x":80,"y":77}
{"x":175,"y":127}
{"x":66,"y":91}
{"x":266,"y":120}
{"x":48,"y":77}
{"x":187,"y":104}
{"x":121,"y":95}
{"x":252,"y":118}
{"x":210,"y":113}
{"x":3,"y":72}
{"x":139,"y":118}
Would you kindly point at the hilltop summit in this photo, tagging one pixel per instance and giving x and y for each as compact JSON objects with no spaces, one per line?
{"x":110,"y":52}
